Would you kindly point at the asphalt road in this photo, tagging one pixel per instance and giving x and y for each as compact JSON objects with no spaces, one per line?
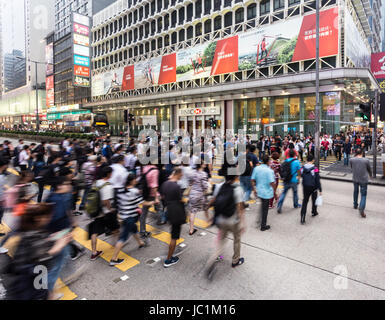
{"x":336,"y":255}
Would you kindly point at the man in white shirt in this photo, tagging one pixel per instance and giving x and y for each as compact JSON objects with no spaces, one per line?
{"x":118,"y":145}
{"x":23,"y":158}
{"x":119,"y":173}
{"x":66,"y":143}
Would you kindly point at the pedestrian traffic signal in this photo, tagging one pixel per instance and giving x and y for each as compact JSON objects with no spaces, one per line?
{"x":131,"y":117}
{"x":212,"y":123}
{"x":365,"y":113}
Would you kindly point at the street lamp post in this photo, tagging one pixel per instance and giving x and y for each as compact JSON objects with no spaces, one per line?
{"x":36,"y":91}
{"x":317,"y":105}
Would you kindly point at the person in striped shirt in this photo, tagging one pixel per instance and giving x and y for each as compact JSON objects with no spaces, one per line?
{"x":128,"y":200}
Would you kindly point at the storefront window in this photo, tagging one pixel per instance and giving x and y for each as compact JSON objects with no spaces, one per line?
{"x":252,"y":119}
{"x":265,"y":114}
{"x":331,"y":110}
{"x":240,"y":107}
{"x":294,"y":114}
{"x":279,"y":111}
{"x":309,"y":114}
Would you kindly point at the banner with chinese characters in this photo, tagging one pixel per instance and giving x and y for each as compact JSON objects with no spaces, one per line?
{"x":81,"y":39}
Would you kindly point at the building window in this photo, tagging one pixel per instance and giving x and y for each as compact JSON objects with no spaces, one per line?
{"x":198,"y":9}
{"x":181,"y":35}
{"x":181,"y":15}
{"x":198,"y":30}
{"x":159,"y":24}
{"x":190,"y":32}
{"x":207,"y":26}
{"x":228,"y":19}
{"x":251,"y":11}
{"x":264,"y":7}
{"x":173,"y":38}
{"x":207,"y":6}
{"x":160,"y":43}
{"x":218,"y":23}
{"x":279,"y":4}
{"x":293,"y":2}
{"x":189,"y":12}
{"x":239,"y":15}
{"x":173,"y":19}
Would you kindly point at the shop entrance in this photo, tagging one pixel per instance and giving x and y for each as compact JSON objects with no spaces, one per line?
{"x":198,"y":123}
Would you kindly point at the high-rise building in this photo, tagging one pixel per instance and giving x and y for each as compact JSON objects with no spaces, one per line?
{"x":65,"y":92}
{"x":24,"y":25}
{"x":247,"y":64}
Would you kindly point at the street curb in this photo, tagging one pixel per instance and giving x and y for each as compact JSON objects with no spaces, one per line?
{"x":374,"y":183}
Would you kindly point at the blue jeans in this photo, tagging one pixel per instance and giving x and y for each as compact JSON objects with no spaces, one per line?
{"x":287,"y":186}
{"x":346,"y":159}
{"x":57,"y":265}
{"x":246,"y":186}
{"x":364,"y":191}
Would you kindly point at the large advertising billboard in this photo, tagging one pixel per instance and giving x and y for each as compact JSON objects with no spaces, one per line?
{"x":281,"y":42}
{"x":50,"y":94}
{"x":81,"y":50}
{"x":355,"y":46}
{"x":49,"y":59}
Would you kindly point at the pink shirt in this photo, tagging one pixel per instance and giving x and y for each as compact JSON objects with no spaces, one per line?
{"x":152,"y":178}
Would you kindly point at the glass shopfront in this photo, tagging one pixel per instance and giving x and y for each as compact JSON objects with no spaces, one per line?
{"x":156,"y":118}
{"x":294,"y":114}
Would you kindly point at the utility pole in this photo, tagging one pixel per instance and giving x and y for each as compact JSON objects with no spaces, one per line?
{"x":374,"y":134}
{"x":317,"y":105}
{"x":37,"y":100}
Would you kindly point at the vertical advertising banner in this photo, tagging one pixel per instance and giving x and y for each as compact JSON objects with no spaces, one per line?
{"x":81,"y":39}
{"x":50,"y":94}
{"x":147,"y":73}
{"x":226,"y":56}
{"x":128,"y":78}
{"x":49,"y":59}
{"x":328,"y":32}
{"x":377,"y":67}
{"x":168,"y":69}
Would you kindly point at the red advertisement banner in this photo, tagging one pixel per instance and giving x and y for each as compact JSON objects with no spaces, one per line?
{"x":305,"y":47}
{"x":128,"y":78}
{"x":50,"y":93}
{"x":377,"y":65}
{"x":168,"y":69}
{"x":226,"y":56}
{"x":78,"y":28}
{"x":81,"y":71}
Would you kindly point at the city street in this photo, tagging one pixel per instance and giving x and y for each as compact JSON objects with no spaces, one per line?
{"x":290,"y":261}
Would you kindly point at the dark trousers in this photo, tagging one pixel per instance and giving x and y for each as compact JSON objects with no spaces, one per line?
{"x":23,"y":167}
{"x":307,"y":192}
{"x":1,"y":212}
{"x":264,"y":212}
{"x":41,"y":190}
{"x":338,"y":154}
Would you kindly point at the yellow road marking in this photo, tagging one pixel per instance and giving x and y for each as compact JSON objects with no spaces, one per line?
{"x":162,"y":235}
{"x":81,"y":236}
{"x":68,"y":294}
{"x":13,"y":171}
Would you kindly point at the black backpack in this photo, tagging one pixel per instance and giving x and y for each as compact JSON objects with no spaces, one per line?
{"x":143,"y":185}
{"x":308,"y":180}
{"x":224,"y":204}
{"x":286,"y":171}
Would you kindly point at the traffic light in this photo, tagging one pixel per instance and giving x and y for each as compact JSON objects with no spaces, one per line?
{"x":365,"y":113}
{"x":131,"y":117}
{"x":212,"y":123}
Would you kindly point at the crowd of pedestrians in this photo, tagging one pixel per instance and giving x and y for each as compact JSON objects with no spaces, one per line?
{"x":116,"y":189}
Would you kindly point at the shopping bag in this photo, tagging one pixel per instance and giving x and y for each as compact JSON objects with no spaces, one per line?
{"x":318,"y":201}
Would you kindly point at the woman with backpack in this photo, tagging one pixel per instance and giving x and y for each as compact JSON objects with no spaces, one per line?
{"x":311,"y":183}
{"x":197,"y":197}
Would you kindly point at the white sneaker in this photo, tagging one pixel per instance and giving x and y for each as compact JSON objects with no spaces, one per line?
{"x":3,"y":250}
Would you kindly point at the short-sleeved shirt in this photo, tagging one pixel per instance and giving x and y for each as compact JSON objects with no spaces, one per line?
{"x":263,"y":176}
{"x":295,"y":166}
{"x":128,"y":200}
{"x":238,"y":198}
{"x":119,"y":176}
{"x":152,"y":178}
{"x":106,"y":193}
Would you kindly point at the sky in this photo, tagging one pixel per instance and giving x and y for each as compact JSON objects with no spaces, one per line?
{"x":13,"y":25}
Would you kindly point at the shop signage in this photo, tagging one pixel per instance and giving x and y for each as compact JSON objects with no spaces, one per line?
{"x":81,"y":39}
{"x":64,"y":108}
{"x":81,"y":61}
{"x":147,"y":121}
{"x":200,"y":111}
{"x":281,"y":42}
{"x":50,"y":93}
{"x":58,"y":116}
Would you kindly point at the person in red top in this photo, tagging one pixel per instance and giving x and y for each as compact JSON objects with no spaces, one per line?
{"x":324,"y":148}
{"x":291,"y":146}
{"x":358,"y":142}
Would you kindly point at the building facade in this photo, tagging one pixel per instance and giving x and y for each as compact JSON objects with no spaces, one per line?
{"x":65,"y":92}
{"x":24,"y":24}
{"x":250,"y":65}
